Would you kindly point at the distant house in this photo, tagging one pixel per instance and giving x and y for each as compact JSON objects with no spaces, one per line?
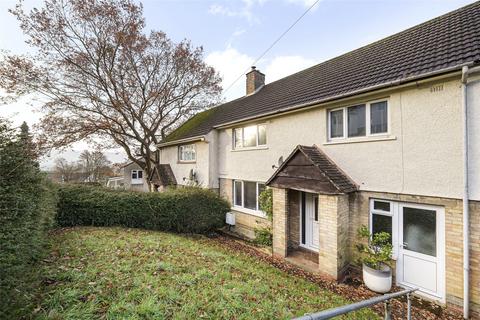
{"x":133,"y":178}
{"x":374,"y":137}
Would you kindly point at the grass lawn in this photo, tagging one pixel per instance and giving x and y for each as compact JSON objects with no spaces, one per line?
{"x":115,"y":273}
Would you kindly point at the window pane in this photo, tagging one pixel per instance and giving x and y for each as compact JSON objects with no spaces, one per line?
{"x":250,"y":194}
{"x":336,"y":124}
{"x":378,"y":117}
{"x":262,"y":134}
{"x":250,"y":136}
{"x":238,"y":193}
{"x":134,"y":174}
{"x":140,"y":174}
{"x":380,"y":205}
{"x":356,"y":121}
{"x":315,"y":199}
{"x":381,"y":223}
{"x":238,"y":138}
{"x":419,"y":230}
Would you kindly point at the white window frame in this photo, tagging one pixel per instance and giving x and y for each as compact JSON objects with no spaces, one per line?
{"x":257,"y":145}
{"x":194,"y":149}
{"x":367,"y":121}
{"x":136,"y":180}
{"x":257,"y":211}
{"x":393,"y":213}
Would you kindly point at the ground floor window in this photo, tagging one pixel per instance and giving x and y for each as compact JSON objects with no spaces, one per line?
{"x":245,"y":194}
{"x":383,"y":219}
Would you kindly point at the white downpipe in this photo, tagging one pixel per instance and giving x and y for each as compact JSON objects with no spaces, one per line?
{"x":466,"y":213}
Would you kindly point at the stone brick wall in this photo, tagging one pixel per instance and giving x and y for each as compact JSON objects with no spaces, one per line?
{"x":280,"y":222}
{"x":328,"y":253}
{"x":294,"y":219}
{"x":343,"y":239}
{"x":245,"y":223}
{"x":359,"y":215}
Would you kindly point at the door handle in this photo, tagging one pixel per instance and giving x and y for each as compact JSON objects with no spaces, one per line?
{"x":404,"y":245}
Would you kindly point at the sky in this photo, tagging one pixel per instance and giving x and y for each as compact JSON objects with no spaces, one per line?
{"x":234,"y":33}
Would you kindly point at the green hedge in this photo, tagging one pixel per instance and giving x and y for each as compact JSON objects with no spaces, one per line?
{"x":27,"y":209}
{"x":186,"y":210}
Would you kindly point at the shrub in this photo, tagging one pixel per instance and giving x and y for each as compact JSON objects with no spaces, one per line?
{"x":263,"y":236}
{"x":265,"y":200}
{"x":27,"y":209}
{"x":185,"y":210}
{"x":378,"y":252}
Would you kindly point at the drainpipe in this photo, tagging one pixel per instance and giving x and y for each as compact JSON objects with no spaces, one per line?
{"x":466,"y":213}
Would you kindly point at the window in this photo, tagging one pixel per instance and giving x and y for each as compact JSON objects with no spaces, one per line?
{"x":137,"y":176}
{"x":358,"y":121}
{"x":187,"y":153}
{"x":250,"y":136}
{"x":383,"y":219}
{"x":245,"y":194}
{"x":336,"y":123}
{"x":378,"y":117}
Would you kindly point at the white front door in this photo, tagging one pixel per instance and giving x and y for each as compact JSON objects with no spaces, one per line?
{"x":421,"y":249}
{"x":309,"y":221}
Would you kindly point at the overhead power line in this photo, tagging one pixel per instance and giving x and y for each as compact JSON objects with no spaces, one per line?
{"x":273,"y":44}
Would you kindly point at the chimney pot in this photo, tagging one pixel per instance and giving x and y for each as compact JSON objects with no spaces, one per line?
{"x":255,"y":80}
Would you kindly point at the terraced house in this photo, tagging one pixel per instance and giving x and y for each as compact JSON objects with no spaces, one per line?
{"x":387,"y":136}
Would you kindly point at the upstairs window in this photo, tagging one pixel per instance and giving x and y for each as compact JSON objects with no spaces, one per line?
{"x":187,"y":153}
{"x":358,"y":121}
{"x":250,"y":136}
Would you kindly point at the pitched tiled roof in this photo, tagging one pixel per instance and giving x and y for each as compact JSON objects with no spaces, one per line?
{"x":438,"y":45}
{"x":163,"y":175}
{"x":340,"y":179}
{"x":308,"y":168}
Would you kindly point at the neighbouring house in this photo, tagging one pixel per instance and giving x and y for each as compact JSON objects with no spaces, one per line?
{"x":386,"y":136}
{"x":132,"y":177}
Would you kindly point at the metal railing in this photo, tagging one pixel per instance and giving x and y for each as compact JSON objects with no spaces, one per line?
{"x":330,"y":313}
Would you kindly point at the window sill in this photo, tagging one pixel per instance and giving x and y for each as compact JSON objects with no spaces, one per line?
{"x":255,"y":213}
{"x":249,"y":149}
{"x":362,"y":139}
{"x":186,"y":162}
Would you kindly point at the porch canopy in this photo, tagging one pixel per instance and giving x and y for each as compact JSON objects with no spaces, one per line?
{"x":162,"y":175}
{"x":309,"y":169}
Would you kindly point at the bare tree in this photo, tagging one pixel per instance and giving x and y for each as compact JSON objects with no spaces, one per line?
{"x":66,"y":171}
{"x":94,"y":166}
{"x":104,"y":79}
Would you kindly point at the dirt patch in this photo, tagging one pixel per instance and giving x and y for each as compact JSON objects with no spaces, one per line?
{"x":351,"y":288}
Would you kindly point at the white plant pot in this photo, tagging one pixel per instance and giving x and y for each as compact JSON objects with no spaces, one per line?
{"x":378,"y":280}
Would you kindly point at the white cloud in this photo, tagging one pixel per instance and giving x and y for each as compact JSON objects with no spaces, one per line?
{"x":230,"y":63}
{"x":245,"y":11}
{"x":282,"y":66}
{"x":305,"y":3}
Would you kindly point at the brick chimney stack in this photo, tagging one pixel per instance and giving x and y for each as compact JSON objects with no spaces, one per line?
{"x":255,"y":80}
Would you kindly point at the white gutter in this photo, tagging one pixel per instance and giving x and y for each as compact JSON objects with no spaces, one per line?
{"x":348,"y":94}
{"x":466,"y":212}
{"x":175,"y":142}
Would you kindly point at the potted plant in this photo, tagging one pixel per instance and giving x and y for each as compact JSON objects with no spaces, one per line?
{"x":375,"y":257}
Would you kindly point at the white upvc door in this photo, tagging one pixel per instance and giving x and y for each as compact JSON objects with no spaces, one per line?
{"x":421,"y":249}
{"x":309,"y":222}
